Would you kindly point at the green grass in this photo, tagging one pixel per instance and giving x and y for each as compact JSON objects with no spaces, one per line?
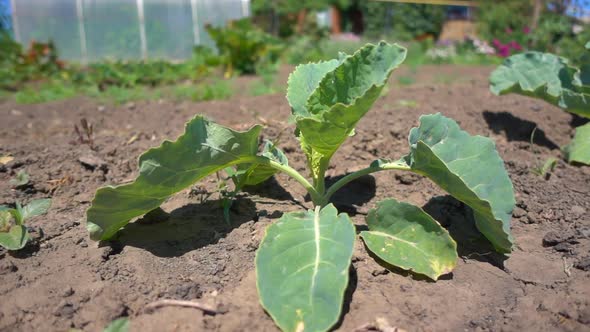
{"x":121,"y":95}
{"x":406,"y":80}
{"x":45,"y":92}
{"x":216,"y":90}
{"x":445,"y":79}
{"x":260,"y":88}
{"x":266,"y":85}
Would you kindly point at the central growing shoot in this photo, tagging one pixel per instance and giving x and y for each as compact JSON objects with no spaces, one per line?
{"x":302,"y":264}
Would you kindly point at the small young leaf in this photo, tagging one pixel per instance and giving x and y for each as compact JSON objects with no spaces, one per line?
{"x":251,"y":175}
{"x":340,"y":99}
{"x":118,"y":325}
{"x":345,"y":95}
{"x":547,"y":167}
{"x":16,"y":238}
{"x":302,"y":268}
{"x":405,"y":236}
{"x":545,"y":76}
{"x":470,"y":169}
{"x":203,"y":149}
{"x":303,"y":81}
{"x":579,"y":149}
{"x":21,"y":179}
{"x":18,"y":214}
{"x":35,"y":208}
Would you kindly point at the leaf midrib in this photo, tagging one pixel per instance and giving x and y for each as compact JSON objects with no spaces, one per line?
{"x":395,"y":238}
{"x":316,"y":228}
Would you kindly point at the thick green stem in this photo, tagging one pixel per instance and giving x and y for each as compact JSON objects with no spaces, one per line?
{"x":18,"y":214}
{"x":316,"y":192}
{"x":319,"y":180}
{"x":316,"y":197}
{"x":371,"y":169}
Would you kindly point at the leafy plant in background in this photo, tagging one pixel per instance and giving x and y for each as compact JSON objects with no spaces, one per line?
{"x":553,"y":79}
{"x":495,"y":17}
{"x":10,"y":56}
{"x":402,"y":20}
{"x":17,"y":66}
{"x":242,"y":46}
{"x":120,"y":81}
{"x":44,"y":57}
{"x":541,"y":25}
{"x":13,"y":232}
{"x":279,"y":17}
{"x":303,"y":261}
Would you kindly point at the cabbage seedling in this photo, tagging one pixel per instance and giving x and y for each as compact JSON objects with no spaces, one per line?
{"x":303,"y":261}
{"x":21,"y":179}
{"x":551,"y":78}
{"x":13,"y":232}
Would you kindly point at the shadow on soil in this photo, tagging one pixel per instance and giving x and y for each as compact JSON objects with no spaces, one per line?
{"x":457,"y":218}
{"x":184,"y":229}
{"x":353,"y":194}
{"x":577,"y":121}
{"x":517,"y":129}
{"x":270,"y":189}
{"x":352,"y":284}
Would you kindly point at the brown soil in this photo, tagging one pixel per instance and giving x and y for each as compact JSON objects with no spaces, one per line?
{"x":63,"y":280}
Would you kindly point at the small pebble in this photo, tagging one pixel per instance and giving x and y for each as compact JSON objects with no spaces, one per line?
{"x":583,"y":264}
{"x":519,"y":212}
{"x":551,"y":239}
{"x":68,"y":291}
{"x":577,"y":210}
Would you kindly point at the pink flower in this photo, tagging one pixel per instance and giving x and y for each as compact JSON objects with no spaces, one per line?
{"x":508,"y":30}
{"x":526,"y":30}
{"x":515,"y":45}
{"x":504,"y":51}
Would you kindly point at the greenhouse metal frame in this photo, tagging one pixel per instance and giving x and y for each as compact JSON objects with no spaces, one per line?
{"x":95,"y":30}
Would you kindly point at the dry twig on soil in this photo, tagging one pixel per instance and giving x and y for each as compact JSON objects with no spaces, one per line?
{"x":180,"y":303}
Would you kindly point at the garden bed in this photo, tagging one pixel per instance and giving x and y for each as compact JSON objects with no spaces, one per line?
{"x":63,"y":280}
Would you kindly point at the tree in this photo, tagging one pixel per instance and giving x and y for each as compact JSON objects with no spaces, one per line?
{"x":289,"y":6}
{"x":275,"y":9}
{"x":403,"y":19}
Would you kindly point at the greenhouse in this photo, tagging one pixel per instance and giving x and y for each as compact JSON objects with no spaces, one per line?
{"x":91,"y":30}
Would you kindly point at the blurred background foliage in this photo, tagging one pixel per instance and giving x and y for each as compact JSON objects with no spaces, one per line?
{"x":402,"y":20}
{"x":290,"y":32}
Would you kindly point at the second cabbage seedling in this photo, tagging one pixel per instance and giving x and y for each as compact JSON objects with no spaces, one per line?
{"x":551,"y":78}
{"x":302,"y":264}
{"x":14,"y":235}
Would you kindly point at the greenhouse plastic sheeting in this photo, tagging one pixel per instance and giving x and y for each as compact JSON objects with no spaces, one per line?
{"x":93,"y":30}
